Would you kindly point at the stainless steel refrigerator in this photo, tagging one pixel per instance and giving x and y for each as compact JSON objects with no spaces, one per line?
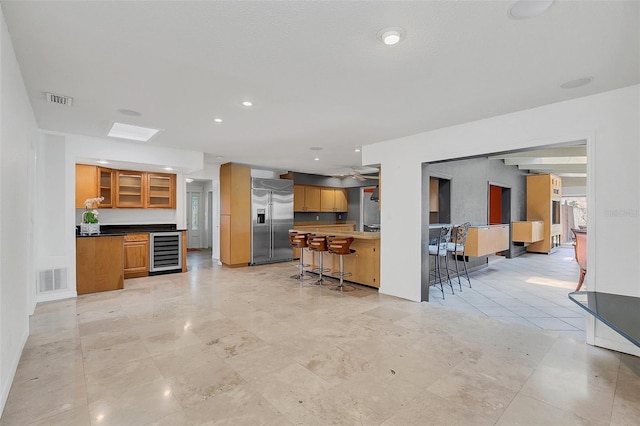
{"x":271,"y":220}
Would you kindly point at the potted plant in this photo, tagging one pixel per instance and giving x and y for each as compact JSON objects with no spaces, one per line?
{"x":90,"y":224}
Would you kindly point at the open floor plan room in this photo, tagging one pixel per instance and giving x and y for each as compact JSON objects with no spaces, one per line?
{"x":251,"y":346}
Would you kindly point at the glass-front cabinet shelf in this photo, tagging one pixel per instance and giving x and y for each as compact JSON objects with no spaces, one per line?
{"x":160,"y":190}
{"x":130,"y":188}
{"x":105,"y":187}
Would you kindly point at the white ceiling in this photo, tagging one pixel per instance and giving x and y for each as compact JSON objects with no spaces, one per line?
{"x":315,"y":70}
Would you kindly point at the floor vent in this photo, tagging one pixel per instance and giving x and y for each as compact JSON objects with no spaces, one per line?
{"x":59,"y":99}
{"x":52,"y":280}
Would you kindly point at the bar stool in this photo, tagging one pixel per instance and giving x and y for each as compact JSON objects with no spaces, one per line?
{"x":439,"y":250}
{"x":318,"y":243}
{"x":299,"y":240}
{"x":340,"y":246}
{"x":456,"y":247}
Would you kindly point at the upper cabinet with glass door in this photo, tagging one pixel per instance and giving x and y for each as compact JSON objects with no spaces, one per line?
{"x":106,"y":186}
{"x":130,"y":188}
{"x":161,"y":190}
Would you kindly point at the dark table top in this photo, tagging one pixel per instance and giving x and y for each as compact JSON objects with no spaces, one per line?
{"x":621,"y":313}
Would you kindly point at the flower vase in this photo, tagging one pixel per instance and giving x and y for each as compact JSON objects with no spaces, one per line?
{"x":89,"y":228}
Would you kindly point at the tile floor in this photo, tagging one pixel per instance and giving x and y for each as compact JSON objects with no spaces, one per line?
{"x":530,"y":289}
{"x":250,"y":346}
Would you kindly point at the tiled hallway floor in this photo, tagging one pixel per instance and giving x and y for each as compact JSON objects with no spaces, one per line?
{"x":530,"y":289}
{"x":249,"y":346}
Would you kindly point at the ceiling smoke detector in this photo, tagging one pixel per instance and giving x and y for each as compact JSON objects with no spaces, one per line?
{"x":59,"y":99}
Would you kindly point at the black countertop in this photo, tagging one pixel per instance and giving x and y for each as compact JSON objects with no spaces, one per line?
{"x":115,"y":230}
{"x":621,"y":313}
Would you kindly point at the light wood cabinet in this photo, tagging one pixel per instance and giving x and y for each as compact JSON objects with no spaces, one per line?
{"x":528,"y":232}
{"x":433,"y":195}
{"x":235,"y":215}
{"x":124,"y":188}
{"x":130,"y":188}
{"x":544,"y":193}
{"x":136,"y":255}
{"x":306,"y":198}
{"x":161,"y":190}
{"x":86,"y":184}
{"x":486,"y":240}
{"x":334,"y":200}
{"x":106,"y":185}
{"x":341,"y":200}
{"x":99,"y":264}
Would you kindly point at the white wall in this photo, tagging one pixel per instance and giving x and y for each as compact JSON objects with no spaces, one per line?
{"x":58,"y":155}
{"x":610,"y":124}
{"x":17,"y":139}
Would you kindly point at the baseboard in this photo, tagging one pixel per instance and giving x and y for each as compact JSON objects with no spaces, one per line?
{"x":56,"y":295}
{"x":624,"y":347}
{"x":6,"y":386}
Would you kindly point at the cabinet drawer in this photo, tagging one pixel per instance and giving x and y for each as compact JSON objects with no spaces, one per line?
{"x":136,"y":237}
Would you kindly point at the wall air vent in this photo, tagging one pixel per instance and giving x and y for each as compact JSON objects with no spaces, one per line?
{"x":59,"y":99}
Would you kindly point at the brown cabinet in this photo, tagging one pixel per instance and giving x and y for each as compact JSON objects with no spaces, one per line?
{"x":86,"y":184}
{"x":130,"y":188}
{"x":136,"y":255}
{"x":99,"y":264}
{"x":306,"y":198}
{"x":125,"y":188}
{"x":544,"y":193}
{"x":161,"y":190}
{"x":235,"y":214}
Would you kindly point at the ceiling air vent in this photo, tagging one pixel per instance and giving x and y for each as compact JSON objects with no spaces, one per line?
{"x":59,"y":99}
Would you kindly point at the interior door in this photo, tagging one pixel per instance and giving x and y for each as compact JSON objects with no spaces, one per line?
{"x":194,"y":222}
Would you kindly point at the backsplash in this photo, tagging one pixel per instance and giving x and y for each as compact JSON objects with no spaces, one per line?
{"x":320,"y":217}
{"x":132,"y":216}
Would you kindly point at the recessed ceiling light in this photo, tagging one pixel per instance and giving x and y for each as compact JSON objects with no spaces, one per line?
{"x":218,"y":120}
{"x":103,"y":162}
{"x":129,"y":112}
{"x":316,"y":148}
{"x":188,"y":180}
{"x":316,"y":159}
{"x":577,"y":83}
{"x":134,"y":133}
{"x":357,"y":149}
{"x":247,"y":103}
{"x":168,"y":168}
{"x":523,"y":9}
{"x":391,"y":35}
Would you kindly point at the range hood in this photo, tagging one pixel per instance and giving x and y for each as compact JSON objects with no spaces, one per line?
{"x":375,"y":195}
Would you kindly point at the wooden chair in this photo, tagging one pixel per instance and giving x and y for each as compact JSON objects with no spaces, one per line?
{"x":581,"y":253}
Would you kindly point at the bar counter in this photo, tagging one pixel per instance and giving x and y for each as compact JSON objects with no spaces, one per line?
{"x":364,"y":263}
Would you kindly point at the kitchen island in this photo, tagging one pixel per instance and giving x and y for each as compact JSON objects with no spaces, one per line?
{"x":364,"y":263}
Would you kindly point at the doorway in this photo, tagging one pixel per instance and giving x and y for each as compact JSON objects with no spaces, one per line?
{"x":194,"y":220}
